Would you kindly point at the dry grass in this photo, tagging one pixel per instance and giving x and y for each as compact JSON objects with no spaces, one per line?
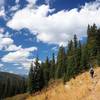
{"x":81,"y":88}
{"x":18,"y":97}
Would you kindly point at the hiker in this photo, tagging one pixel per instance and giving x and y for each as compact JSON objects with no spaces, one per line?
{"x":91,"y":71}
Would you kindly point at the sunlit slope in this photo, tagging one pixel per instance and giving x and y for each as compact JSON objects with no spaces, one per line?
{"x":80,"y":88}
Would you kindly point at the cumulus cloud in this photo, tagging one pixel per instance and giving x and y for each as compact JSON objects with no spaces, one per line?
{"x":1,"y":65}
{"x":5,"y":40}
{"x":16,"y":54}
{"x":59,"y":27}
{"x":13,"y":47}
{"x":19,"y":57}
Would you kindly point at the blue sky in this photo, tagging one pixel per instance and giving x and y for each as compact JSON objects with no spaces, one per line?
{"x":38,"y":27}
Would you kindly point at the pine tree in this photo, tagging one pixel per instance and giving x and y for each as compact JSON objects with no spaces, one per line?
{"x":46,"y":72}
{"x":85,"y":58}
{"x":31,"y":80}
{"x":61,"y":62}
{"x":76,"y":56}
{"x":98,"y":46}
{"x":70,"y":61}
{"x":36,"y":80}
{"x":91,"y":44}
{"x":79,"y":55}
{"x":37,"y":75}
{"x":52,"y":68}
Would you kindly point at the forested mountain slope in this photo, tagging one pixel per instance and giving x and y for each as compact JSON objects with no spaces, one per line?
{"x":11,"y":84}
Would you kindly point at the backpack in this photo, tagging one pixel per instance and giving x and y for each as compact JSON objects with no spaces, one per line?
{"x":91,"y":71}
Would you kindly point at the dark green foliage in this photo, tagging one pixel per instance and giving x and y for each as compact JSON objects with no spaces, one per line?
{"x":61,"y":62}
{"x":11,"y":84}
{"x":98,"y":46}
{"x":52,"y":68}
{"x":31,"y":80}
{"x":91,"y":44}
{"x":76,"y":55}
{"x":84,"y":58}
{"x":35,"y":79}
{"x":79,"y":55}
{"x":46,"y":71}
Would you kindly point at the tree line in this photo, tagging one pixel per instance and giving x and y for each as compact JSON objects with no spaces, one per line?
{"x":70,"y":61}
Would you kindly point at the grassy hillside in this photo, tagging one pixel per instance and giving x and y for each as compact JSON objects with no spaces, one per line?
{"x":81,"y":88}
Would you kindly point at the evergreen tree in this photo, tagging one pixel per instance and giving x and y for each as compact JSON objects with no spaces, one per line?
{"x":75,"y":42}
{"x":84,"y":58}
{"x":46,"y":72}
{"x":36,"y":75}
{"x":31,"y":80}
{"x":52,"y":68}
{"x":91,"y":44}
{"x":98,"y":46}
{"x":79,"y":55}
{"x":70,"y":61}
{"x":61,"y":62}
{"x":36,"y":80}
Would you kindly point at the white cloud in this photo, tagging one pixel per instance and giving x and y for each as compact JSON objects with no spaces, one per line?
{"x":17,"y":1}
{"x":19,"y":55}
{"x":31,"y":49}
{"x":15,"y":56}
{"x":13,"y":47}
{"x":31,"y":1}
{"x":2,"y":11}
{"x":5,"y":42}
{"x":1,"y":65}
{"x":14,"y":8}
{"x":59,"y":27}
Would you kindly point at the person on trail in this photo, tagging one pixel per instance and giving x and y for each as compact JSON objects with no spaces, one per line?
{"x":91,"y":70}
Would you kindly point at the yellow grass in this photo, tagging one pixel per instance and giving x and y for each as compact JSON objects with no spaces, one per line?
{"x":18,"y":97}
{"x":81,"y":88}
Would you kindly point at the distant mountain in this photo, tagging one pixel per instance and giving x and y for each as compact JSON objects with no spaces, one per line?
{"x":11,"y":84}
